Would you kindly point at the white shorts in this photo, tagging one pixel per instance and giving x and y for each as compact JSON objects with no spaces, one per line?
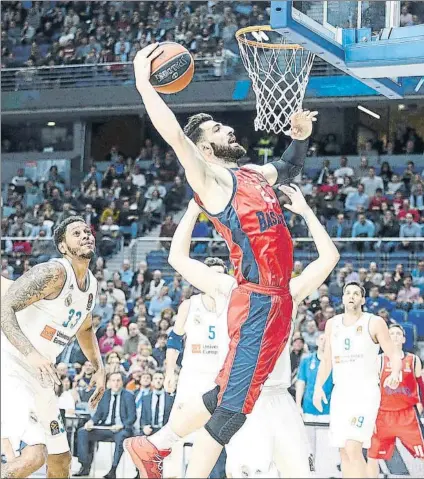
{"x":190,"y":385}
{"x":273,"y":442}
{"x":29,"y":411}
{"x":352,"y":414}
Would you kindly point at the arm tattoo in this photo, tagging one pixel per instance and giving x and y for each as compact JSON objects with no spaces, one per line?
{"x":38,"y":283}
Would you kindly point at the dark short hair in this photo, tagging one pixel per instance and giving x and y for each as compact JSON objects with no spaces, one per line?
{"x":397,"y":325}
{"x":192,"y":128}
{"x":213,"y":261}
{"x":355,"y":283}
{"x":60,"y":231}
{"x":163,"y":336}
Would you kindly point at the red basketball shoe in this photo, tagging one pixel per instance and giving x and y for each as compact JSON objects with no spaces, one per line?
{"x":146,"y":456}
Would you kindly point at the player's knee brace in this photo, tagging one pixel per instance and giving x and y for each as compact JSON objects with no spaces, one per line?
{"x":210,"y":399}
{"x":224,"y":424}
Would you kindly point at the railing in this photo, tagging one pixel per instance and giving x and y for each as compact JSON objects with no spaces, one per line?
{"x":387,"y":252}
{"x":119,"y":74}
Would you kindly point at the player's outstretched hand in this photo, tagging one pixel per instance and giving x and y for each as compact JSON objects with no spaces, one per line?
{"x":319,"y":398}
{"x":142,"y":62}
{"x":46,"y":372}
{"x":301,"y":124}
{"x":298,"y":203}
{"x":392,"y":381}
{"x":169,"y":383}
{"x":98,"y":380}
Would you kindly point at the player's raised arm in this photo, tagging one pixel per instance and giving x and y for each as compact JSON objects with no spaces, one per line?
{"x":328,"y":255}
{"x":90,"y":347}
{"x":380,"y":332}
{"x":285,"y":170}
{"x":198,"y":172}
{"x":324,"y":370}
{"x":43,"y":281}
{"x":175,"y":345}
{"x":195,"y":272}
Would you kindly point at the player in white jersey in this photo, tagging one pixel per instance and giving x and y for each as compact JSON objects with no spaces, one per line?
{"x":42,"y":312}
{"x":266,"y":445}
{"x":353,"y":340}
{"x":204,"y":331}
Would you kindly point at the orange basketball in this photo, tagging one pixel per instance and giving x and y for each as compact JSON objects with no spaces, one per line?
{"x":173,"y":69}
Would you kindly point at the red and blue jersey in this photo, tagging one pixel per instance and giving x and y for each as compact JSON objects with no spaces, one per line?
{"x":253,"y":226}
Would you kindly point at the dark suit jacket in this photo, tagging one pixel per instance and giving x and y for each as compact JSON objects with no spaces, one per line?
{"x":146,"y":410}
{"x":126,"y":409}
{"x":346,"y":231}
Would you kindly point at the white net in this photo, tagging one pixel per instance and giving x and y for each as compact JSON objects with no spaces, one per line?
{"x":279,"y":72}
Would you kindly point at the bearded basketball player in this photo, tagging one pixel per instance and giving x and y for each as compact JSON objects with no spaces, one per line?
{"x":245,"y":210}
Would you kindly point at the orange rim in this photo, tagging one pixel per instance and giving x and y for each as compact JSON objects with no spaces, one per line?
{"x":240,"y":36}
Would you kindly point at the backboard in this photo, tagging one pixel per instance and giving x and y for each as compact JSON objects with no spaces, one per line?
{"x":361,"y":38}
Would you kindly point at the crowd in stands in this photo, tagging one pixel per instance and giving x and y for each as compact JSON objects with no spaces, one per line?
{"x":62,"y":33}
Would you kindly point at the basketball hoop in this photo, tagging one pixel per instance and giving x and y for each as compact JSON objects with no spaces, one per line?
{"x":279,"y":71}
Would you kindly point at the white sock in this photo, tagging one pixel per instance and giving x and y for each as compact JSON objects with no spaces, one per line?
{"x":165,"y":438}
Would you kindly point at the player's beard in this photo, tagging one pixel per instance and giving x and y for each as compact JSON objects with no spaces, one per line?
{"x":77,"y":253}
{"x":229,"y":153}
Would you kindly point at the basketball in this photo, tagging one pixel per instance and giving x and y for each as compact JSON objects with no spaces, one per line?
{"x":173,"y":69}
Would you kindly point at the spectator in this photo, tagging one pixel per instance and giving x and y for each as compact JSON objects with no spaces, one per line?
{"x":126,"y":273}
{"x":358,"y":201}
{"x":116,"y":410}
{"x":310,"y":335}
{"x":372,"y":182}
{"x":343,"y":171}
{"x":394,"y":185}
{"x":140,"y":287}
{"x":86,"y":373}
{"x":296,"y":354}
{"x":322,"y":175}
{"x":159,"y":351}
{"x":388,"y":287}
{"x":306,"y":378}
{"x":417,"y":198}
{"x":153,"y":211}
{"x":156,"y":284}
{"x":362,"y":170}
{"x":167,"y":230}
{"x":389,"y":228}
{"x":176,"y":195}
{"x":363,"y":228}
{"x":128,"y":221}
{"x":410,"y":229}
{"x":409,"y":294}
{"x":115,"y":295}
{"x":340,"y":229}
{"x":418,"y":276}
{"x":135,"y":338}
{"x":109,"y":340}
{"x":375,"y":301}
{"x":406,"y":19}
{"x":156,"y":407}
{"x":158,"y":187}
{"x":405,"y":209}
{"x":43,"y":249}
{"x":138,"y":178}
{"x":118,"y":323}
{"x":159,"y":303}
{"x":335,"y":289}
{"x":104,"y":310}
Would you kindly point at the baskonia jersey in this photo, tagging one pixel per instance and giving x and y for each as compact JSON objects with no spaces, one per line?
{"x":51,"y":324}
{"x":406,"y":394}
{"x":253,"y":226}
